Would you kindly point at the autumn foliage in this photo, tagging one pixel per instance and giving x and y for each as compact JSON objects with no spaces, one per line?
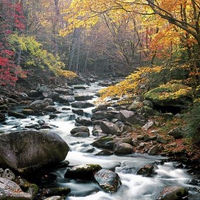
{"x":11,"y":19}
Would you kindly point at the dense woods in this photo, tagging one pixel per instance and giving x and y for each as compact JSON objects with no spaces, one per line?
{"x":155,"y":44}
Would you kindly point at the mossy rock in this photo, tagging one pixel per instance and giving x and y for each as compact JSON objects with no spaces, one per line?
{"x":170,"y":94}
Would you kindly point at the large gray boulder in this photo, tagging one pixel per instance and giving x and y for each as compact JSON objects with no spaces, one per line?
{"x":28,"y":150}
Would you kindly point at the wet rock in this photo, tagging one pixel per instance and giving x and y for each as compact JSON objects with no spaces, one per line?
{"x":82,"y":104}
{"x":28,"y":150}
{"x":80,"y":129}
{"x":96,"y":131}
{"x":100,"y":115}
{"x":173,"y":193}
{"x":65,"y":99}
{"x":83,"y":121}
{"x":2,"y":117}
{"x":10,"y":190}
{"x":28,"y":111}
{"x":104,"y":143}
{"x":109,"y":128}
{"x":50,"y":109}
{"x":34,"y":93}
{"x":81,"y":97}
{"x":108,"y":180}
{"x":16,"y":114}
{"x":64,"y":91}
{"x":123,"y":148}
{"x":53,"y":95}
{"x":78,"y":111}
{"x":146,"y":170}
{"x":39,"y":105}
{"x":81,"y":134}
{"x":85,"y":171}
{"x":64,"y":191}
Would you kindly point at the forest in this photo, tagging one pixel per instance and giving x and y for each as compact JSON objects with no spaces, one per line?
{"x":153,"y":44}
{"x":100,"y":99}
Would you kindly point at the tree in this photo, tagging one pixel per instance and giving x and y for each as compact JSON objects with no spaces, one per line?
{"x":11,"y":20}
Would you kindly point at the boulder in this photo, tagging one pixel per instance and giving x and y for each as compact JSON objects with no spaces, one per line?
{"x":78,"y":111}
{"x":82,"y":97}
{"x":154,"y":150}
{"x":85,"y":171}
{"x":109,"y":128}
{"x":16,"y":114}
{"x":34,"y":93}
{"x":82,"y":104}
{"x":108,"y":180}
{"x":65,"y":91}
{"x":28,"y":111}
{"x":129,"y":117}
{"x":83,"y":121}
{"x":99,"y":115}
{"x":146,"y":170}
{"x":81,"y":134}
{"x":104,"y":143}
{"x":10,"y":190}
{"x":123,"y":148}
{"x":65,"y":99}
{"x":28,"y":150}
{"x":53,"y":95}
{"x":173,"y":193}
{"x":39,"y":105}
{"x":50,"y":109}
{"x":170,"y":95}
{"x":79,"y":129}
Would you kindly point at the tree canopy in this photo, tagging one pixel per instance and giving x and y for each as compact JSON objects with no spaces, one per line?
{"x":114,"y":37}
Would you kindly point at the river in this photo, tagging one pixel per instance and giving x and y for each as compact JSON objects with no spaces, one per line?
{"x":134,"y":187}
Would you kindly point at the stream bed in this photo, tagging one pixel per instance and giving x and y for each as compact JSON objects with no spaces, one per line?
{"x":134,"y":187}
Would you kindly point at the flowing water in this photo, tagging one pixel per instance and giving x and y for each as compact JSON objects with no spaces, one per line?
{"x":134,"y":187}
